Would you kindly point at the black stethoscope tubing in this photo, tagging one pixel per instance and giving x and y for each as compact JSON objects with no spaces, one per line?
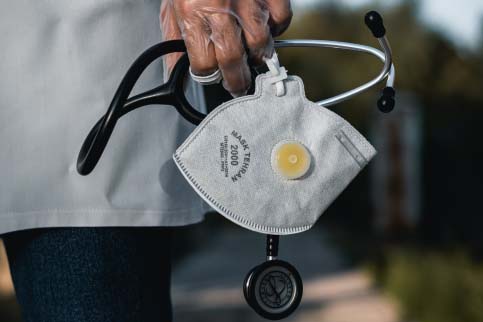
{"x":170,"y":93}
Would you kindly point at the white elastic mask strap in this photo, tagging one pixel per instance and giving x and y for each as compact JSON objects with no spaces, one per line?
{"x":279,"y":74}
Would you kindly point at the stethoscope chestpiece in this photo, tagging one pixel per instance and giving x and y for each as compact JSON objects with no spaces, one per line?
{"x":274,"y":288}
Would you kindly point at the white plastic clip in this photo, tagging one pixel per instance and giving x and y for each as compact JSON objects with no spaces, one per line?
{"x":279,"y":74}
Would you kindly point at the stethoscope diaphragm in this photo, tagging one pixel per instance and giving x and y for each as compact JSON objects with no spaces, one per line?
{"x":274,"y":288}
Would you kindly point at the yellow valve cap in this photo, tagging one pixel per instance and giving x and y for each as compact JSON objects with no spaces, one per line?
{"x":290,"y":159}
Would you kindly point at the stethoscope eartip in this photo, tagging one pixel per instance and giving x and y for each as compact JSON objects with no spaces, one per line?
{"x":375,"y":23}
{"x":387,"y":101}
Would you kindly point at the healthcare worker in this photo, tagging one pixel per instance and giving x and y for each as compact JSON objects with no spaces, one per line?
{"x":96,"y":248}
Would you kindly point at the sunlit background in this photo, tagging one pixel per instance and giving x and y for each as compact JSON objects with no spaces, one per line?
{"x":404,"y":242}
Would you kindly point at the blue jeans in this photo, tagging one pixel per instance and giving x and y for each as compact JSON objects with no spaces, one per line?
{"x":91,"y":274}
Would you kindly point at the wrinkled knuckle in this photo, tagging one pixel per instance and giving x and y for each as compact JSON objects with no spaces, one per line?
{"x":231,"y":59}
{"x":184,"y":6}
{"x":259,"y":40}
{"x":220,"y":21}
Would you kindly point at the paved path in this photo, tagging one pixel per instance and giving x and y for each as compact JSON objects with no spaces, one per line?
{"x":207,"y":285}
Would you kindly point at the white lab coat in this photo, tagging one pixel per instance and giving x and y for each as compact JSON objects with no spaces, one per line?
{"x":60,"y":63}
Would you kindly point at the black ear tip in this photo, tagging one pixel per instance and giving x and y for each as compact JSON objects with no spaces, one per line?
{"x":375,"y":23}
{"x":387,"y":101}
{"x":389,"y":91}
{"x":373,"y":17}
{"x":386,"y":104}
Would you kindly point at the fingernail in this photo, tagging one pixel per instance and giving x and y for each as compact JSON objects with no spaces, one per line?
{"x":235,"y":95}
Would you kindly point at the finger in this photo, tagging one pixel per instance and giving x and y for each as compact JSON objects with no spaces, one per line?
{"x":280,"y":15}
{"x":170,"y":31}
{"x":230,"y":53}
{"x":195,"y":32}
{"x":253,"y":19}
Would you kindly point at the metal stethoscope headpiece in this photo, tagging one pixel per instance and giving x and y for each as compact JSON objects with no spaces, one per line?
{"x":375,"y":23}
{"x":172,"y":93}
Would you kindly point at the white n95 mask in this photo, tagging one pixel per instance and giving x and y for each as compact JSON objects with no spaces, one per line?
{"x":272,"y":162}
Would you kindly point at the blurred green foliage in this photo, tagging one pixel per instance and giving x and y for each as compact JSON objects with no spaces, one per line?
{"x":435,"y":287}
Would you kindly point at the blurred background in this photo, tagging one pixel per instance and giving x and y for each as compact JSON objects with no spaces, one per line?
{"x":404,"y":242}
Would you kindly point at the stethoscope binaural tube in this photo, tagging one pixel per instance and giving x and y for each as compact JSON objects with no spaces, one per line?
{"x":172,"y":93}
{"x":375,"y":23}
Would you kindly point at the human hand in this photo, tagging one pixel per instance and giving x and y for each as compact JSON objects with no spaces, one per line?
{"x":216,"y":33}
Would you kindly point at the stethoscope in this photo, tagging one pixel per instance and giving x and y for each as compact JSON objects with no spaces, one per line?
{"x":274,"y":288}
